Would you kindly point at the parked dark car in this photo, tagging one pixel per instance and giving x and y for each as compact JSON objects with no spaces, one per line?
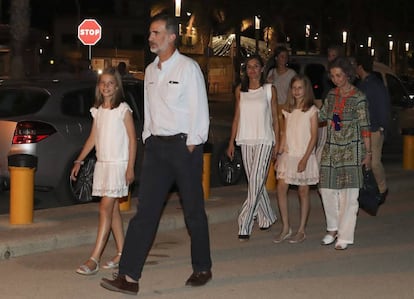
{"x":50,"y":119}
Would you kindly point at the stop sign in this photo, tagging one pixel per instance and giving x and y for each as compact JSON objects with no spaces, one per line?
{"x":89,"y":32}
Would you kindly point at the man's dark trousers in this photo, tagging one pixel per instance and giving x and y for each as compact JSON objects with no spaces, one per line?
{"x":167,"y":160}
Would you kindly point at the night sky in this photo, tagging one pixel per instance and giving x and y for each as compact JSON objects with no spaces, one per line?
{"x":44,"y":11}
{"x":365,"y":15}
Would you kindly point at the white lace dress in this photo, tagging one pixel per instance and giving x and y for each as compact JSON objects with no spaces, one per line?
{"x":112,"y":148}
{"x":298,"y":134}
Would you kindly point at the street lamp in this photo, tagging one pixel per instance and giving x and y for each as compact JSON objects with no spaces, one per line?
{"x":344,"y":37}
{"x":177,"y":8}
{"x":407,"y":48}
{"x":390,"y":47}
{"x":256,"y":22}
{"x":307,"y":35}
{"x":257,"y":30}
{"x":344,"y":40}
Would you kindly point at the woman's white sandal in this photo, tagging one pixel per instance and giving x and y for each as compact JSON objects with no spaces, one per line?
{"x":85,"y":270}
{"x":111,"y":264}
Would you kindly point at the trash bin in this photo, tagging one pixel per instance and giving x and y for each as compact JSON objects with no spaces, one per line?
{"x":408,"y":148}
{"x":21,"y":168}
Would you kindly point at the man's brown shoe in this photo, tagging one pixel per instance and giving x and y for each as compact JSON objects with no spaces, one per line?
{"x":198,"y":278}
{"x":120,"y":284}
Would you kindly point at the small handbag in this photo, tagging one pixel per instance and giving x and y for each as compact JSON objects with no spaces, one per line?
{"x":369,"y":196}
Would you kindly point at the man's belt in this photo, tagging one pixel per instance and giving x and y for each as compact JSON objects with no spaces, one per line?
{"x":172,"y":138}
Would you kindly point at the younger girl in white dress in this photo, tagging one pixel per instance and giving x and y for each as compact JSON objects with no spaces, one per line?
{"x":296,"y":163}
{"x":114,"y":138}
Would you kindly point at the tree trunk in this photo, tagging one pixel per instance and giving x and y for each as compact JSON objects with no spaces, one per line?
{"x":19,"y":29}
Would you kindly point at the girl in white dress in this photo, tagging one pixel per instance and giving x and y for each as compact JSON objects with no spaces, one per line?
{"x":114,"y":138}
{"x":296,"y":163}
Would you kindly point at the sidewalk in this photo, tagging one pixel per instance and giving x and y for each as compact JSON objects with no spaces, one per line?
{"x":76,"y":225}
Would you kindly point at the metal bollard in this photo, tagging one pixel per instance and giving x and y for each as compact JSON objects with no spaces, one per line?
{"x":22,"y":168}
{"x":408,"y":148}
{"x":125,"y":203}
{"x":271,"y":178}
{"x":206,"y":174}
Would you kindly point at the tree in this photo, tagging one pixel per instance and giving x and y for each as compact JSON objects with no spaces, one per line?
{"x":19,"y":29}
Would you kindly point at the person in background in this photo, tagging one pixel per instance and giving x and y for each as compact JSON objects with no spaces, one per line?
{"x":379,"y":113}
{"x":113,"y":137}
{"x":347,"y":148}
{"x":123,"y":70}
{"x":280,"y":77}
{"x":334,"y":51}
{"x":281,"y":74}
{"x":255,"y":128}
{"x":176,"y":125}
{"x":296,"y":163}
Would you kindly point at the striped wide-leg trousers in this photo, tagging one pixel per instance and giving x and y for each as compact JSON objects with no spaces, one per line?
{"x":256,"y":160}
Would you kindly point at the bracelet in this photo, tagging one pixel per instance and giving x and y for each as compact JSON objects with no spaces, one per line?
{"x":78,"y":162}
{"x":279,"y":154}
{"x":369,"y":153}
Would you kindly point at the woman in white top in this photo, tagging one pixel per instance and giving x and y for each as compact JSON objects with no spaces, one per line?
{"x":255,"y":128}
{"x":280,"y":76}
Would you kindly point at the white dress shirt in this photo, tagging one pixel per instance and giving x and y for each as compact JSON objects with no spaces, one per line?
{"x":175,"y":99}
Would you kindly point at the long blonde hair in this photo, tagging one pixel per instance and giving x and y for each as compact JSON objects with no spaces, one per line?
{"x":118,"y":97}
{"x":308,"y":98}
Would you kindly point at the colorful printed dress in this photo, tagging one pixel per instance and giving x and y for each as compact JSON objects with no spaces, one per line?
{"x":347,"y":121}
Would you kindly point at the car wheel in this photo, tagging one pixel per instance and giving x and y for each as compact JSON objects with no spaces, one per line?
{"x":229,"y":171}
{"x":81,"y":189}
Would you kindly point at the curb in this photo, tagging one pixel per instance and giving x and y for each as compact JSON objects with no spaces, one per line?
{"x":46,"y":234}
{"x":76,"y":225}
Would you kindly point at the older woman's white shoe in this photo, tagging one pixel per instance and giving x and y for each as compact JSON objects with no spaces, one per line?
{"x":328,"y":239}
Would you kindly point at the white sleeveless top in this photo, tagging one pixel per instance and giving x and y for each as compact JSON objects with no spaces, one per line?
{"x":255,"y":122}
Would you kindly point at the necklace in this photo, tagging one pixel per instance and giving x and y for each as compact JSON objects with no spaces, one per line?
{"x":339,"y":108}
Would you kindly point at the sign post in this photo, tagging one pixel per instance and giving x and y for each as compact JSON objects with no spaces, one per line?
{"x":89,"y":33}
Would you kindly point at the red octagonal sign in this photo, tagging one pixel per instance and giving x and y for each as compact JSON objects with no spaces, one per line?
{"x":89,"y":32}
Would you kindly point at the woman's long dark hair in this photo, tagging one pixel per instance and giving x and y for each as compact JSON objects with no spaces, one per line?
{"x":244,"y":85}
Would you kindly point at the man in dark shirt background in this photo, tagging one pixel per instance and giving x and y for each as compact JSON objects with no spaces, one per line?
{"x":379,"y":113}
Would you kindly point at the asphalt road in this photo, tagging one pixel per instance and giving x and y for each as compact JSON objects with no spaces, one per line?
{"x":379,"y":265}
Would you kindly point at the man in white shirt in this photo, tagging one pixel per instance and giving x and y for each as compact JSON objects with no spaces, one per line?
{"x":175,"y":128}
